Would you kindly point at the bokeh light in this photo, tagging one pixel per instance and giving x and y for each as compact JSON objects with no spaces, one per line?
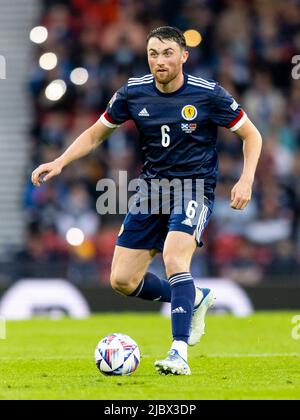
{"x":48,"y":61}
{"x":193,"y":38}
{"x":75,"y":237}
{"x":39,"y":34}
{"x":79,"y":76}
{"x":56,"y":90}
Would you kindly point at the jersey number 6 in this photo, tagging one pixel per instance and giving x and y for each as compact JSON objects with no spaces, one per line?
{"x":165,"y":138}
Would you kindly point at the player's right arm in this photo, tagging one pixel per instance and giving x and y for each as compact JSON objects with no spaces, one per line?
{"x":82,"y":146}
{"x":116,"y":114}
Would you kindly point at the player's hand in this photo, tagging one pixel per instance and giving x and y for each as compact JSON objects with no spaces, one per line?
{"x":241,"y":194}
{"x":45,"y":172}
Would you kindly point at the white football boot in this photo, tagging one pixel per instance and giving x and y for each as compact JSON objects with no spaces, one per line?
{"x":174,"y":364}
{"x":198,"y":320}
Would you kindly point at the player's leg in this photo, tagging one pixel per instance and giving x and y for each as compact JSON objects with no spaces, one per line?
{"x":189,"y":304}
{"x":141,"y":236}
{"x":128,"y":268}
{"x":178,"y":251}
{"x":129,"y":275}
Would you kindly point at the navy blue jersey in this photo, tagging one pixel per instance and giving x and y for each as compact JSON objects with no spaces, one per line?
{"x":178,"y":130}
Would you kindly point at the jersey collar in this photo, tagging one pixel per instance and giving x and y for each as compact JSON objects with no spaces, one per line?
{"x":172,"y":93}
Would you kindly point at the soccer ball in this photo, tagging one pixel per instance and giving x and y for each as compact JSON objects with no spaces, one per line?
{"x":117,"y":355}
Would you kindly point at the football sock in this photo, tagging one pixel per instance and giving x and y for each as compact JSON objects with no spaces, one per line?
{"x":182,"y":303}
{"x":153,"y":288}
{"x":181,"y":347}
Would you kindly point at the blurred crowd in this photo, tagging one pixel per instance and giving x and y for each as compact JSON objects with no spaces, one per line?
{"x":248,"y":47}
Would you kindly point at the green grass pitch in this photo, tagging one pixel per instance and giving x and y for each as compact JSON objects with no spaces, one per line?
{"x":249,"y":358}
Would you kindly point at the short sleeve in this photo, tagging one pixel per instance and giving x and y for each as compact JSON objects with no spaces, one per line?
{"x":225,"y":111}
{"x":117,"y":111}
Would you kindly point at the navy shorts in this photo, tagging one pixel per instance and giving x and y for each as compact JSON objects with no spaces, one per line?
{"x":149,"y":231}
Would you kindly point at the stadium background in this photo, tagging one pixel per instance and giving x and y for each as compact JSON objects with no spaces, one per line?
{"x":246,"y":45}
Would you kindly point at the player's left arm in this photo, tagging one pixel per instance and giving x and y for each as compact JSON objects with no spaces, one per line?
{"x":252,"y":144}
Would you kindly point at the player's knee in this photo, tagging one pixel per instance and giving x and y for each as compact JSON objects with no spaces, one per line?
{"x":173,"y":264}
{"x":122,"y":284}
{"x":119,"y":283}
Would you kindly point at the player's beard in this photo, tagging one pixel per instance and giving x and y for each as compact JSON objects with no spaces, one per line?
{"x":165,"y":77}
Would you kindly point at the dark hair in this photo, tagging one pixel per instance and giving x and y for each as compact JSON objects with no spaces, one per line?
{"x":168,"y":32}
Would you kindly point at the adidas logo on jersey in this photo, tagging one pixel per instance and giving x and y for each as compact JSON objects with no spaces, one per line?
{"x":187,"y":222}
{"x":144,"y":113}
{"x":179,"y":310}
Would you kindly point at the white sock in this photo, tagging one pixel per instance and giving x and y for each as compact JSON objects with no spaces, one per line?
{"x":181,"y":347}
{"x":198,"y":297}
